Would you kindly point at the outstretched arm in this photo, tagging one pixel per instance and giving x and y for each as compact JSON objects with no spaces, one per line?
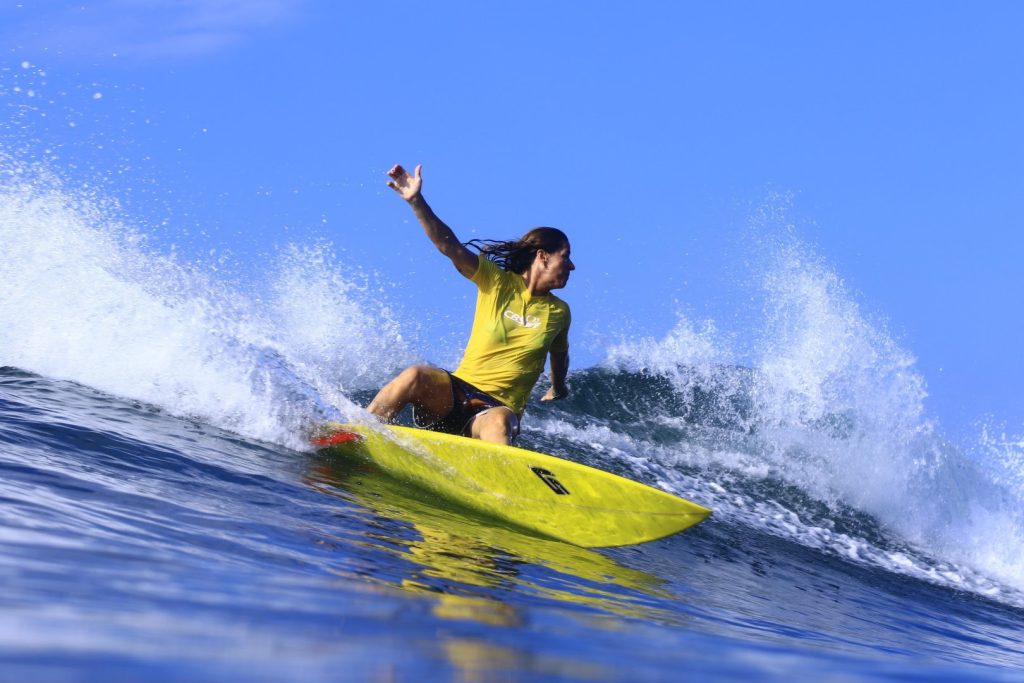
{"x":559,"y":369}
{"x":409,"y":188}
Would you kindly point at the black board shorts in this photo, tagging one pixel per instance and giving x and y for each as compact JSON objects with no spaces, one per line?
{"x":467,"y":403}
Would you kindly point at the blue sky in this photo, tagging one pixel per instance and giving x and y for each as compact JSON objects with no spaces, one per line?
{"x":887,"y":134}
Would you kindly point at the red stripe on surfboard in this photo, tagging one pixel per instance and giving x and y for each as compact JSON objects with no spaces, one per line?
{"x":335,"y":438}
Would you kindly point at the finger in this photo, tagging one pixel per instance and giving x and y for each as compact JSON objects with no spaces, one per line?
{"x":416,"y":172}
{"x":393,"y":185}
{"x":396,"y":171}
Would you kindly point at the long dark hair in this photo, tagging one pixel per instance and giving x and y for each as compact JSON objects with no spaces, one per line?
{"x":516,"y":256}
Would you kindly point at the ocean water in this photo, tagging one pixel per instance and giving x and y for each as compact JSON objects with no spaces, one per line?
{"x":162,"y":517}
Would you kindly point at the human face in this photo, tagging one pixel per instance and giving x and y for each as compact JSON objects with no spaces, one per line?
{"x":556,"y":267}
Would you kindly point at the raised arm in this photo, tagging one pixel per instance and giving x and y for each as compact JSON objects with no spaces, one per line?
{"x":559,"y":369}
{"x":409,"y":188}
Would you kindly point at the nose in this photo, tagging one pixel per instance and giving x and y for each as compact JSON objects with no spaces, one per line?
{"x":572,"y":266}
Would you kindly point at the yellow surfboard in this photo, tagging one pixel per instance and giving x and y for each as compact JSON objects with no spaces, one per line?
{"x":551,"y":496}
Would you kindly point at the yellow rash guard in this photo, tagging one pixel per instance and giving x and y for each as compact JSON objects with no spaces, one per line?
{"x":512,"y":334}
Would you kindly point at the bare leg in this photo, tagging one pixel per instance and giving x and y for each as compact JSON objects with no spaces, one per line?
{"x":426,"y":387}
{"x":497,"y":425}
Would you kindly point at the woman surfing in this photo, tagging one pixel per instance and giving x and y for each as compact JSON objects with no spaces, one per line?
{"x":518,"y":323}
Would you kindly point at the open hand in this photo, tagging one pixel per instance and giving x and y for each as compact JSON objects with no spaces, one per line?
{"x":408,"y":186}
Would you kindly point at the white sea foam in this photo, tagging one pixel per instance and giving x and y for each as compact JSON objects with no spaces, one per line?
{"x":84,"y":298}
{"x":836,"y":409}
{"x":657,"y":463}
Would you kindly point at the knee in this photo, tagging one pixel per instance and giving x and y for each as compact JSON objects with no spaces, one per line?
{"x":508,"y":421}
{"x":415,"y":376}
{"x":497,"y":425}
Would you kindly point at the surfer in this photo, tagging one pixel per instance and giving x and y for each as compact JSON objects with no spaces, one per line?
{"x":517,"y":324}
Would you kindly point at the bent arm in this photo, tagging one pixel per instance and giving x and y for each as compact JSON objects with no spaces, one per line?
{"x":559,"y":361}
{"x":409,"y":187}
